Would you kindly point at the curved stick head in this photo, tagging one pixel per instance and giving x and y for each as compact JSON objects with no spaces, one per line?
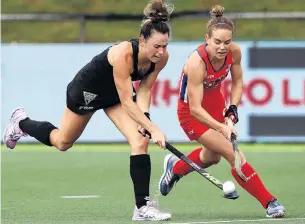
{"x":234,"y":195}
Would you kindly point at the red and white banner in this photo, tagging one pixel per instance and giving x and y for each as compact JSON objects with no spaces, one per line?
{"x":266,"y":91}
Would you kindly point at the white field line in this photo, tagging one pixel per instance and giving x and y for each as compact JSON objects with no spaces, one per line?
{"x":80,"y":196}
{"x":241,"y":220}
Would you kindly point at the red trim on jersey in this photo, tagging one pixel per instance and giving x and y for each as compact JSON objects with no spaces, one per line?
{"x":201,"y":49}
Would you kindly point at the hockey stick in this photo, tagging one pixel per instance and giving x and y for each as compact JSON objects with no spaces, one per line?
{"x":197,"y":168}
{"x":234,"y":195}
{"x":237,"y":160}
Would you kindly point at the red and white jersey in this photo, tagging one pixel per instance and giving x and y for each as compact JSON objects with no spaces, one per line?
{"x":214,"y":77}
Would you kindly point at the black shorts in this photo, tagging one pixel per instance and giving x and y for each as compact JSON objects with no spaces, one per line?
{"x":82,"y":102}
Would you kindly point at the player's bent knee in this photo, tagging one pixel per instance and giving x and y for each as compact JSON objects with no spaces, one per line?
{"x":209,"y":158}
{"x":212,"y":162}
{"x":216,"y":161}
{"x":139,"y":146}
{"x":62,"y":146}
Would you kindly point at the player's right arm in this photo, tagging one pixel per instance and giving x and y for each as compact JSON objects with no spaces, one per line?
{"x":196,"y":72}
{"x":120,"y":57}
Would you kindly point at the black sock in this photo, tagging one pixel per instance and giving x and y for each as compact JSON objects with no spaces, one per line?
{"x":40,"y":130}
{"x":140,"y":169}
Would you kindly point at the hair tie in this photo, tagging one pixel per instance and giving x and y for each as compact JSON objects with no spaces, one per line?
{"x":157,"y":17}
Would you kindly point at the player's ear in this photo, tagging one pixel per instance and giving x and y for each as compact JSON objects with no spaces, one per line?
{"x":207,"y":37}
{"x":141,"y":40}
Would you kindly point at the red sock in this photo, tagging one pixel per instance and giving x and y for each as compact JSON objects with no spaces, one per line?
{"x":254,"y":185}
{"x":181,"y":168}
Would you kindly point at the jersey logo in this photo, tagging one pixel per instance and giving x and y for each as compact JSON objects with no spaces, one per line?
{"x":209,"y":84}
{"x":88,"y":97}
{"x":191,"y":132}
{"x":210,"y":77}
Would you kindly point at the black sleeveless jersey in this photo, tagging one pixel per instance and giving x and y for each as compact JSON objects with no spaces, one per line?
{"x":97,"y":76}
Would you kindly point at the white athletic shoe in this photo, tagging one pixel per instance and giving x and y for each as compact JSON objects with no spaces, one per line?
{"x":275,"y":209}
{"x":149,"y":212}
{"x":12,"y":132}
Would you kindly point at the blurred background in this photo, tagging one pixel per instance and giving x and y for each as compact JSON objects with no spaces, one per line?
{"x":184,"y":28}
{"x":46,"y":42}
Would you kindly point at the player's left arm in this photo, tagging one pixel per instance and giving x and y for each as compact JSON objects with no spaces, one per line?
{"x":237,"y":76}
{"x":237,"y":83}
{"x":145,"y":86}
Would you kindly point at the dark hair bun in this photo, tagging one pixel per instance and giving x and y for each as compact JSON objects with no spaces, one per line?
{"x":157,"y":11}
